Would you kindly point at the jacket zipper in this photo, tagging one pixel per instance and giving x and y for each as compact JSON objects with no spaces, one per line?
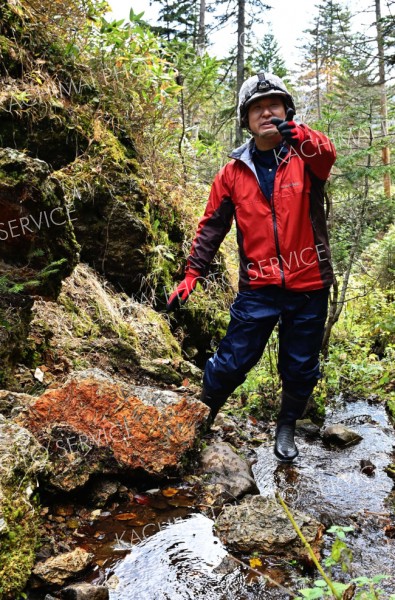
{"x":275,"y":230}
{"x":276,"y":241}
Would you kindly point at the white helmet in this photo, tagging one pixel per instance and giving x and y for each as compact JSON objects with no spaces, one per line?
{"x":258,"y":86}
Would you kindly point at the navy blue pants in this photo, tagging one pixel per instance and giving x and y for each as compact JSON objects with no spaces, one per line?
{"x":254,"y":314}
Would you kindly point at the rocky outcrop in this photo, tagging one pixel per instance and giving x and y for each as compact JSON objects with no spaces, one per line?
{"x":93,"y":424}
{"x":260,"y":524}
{"x":93,"y":324}
{"x":21,"y":460}
{"x":37,"y":247}
{"x":113,"y":228}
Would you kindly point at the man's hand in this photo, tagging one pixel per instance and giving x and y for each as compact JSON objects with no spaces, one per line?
{"x":183,"y":290}
{"x":291,"y":132}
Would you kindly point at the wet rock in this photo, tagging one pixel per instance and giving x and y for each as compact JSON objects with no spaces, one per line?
{"x":367,"y":467}
{"x":308,"y":428}
{"x":260,"y":524}
{"x":341,"y":435}
{"x":102,"y":490}
{"x":58,"y":569}
{"x":226,"y":566}
{"x":85,"y":591}
{"x":93,"y":424}
{"x":227,"y":469}
{"x":21,"y":460}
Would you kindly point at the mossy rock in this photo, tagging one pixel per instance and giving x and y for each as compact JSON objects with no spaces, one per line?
{"x":38,"y":246}
{"x":21,"y":459}
{"x":15,"y":315}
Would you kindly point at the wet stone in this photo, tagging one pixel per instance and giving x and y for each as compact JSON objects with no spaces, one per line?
{"x":308,"y":428}
{"x":85,"y":591}
{"x":57,"y":570}
{"x":260,"y":524}
{"x":102,"y":490}
{"x":227,"y":469}
{"x":341,"y":435}
{"x":367,"y":467}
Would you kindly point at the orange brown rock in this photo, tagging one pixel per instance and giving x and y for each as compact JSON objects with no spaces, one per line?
{"x":88,"y":415}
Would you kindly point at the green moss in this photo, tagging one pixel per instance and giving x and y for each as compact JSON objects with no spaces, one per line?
{"x":390,"y":403}
{"x":19,"y":544}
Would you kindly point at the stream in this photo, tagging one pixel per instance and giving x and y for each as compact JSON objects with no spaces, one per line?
{"x":169,"y":551}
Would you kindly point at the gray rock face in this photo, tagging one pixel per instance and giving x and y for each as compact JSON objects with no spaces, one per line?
{"x":227,"y":469}
{"x":84,"y":591}
{"x":260,"y":524}
{"x":58,"y":569}
{"x":341,"y":435}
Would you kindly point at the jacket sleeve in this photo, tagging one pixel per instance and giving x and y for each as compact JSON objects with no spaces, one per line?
{"x":317,"y":151}
{"x":213,"y":226}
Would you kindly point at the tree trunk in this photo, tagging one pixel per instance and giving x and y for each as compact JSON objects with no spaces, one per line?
{"x":338,"y":300}
{"x":240,"y":59}
{"x":386,"y":158}
{"x":201,"y":40}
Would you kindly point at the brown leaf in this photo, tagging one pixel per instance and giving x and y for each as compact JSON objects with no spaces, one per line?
{"x":126,"y":516}
{"x":134,"y":519}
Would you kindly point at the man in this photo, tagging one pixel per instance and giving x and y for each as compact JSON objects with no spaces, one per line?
{"x":274,"y":189}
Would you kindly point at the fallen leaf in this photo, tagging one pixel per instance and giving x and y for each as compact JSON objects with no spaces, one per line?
{"x":169,"y":492}
{"x":126,"y":516}
{"x":141,"y":499}
{"x":255,"y":562}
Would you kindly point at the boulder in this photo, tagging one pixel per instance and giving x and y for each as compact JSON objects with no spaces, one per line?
{"x":58,"y":569}
{"x":260,"y":524}
{"x":21,"y":460}
{"x":228,"y":469}
{"x":340,"y":435}
{"x":94,"y":424}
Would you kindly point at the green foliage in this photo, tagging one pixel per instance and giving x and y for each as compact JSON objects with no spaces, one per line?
{"x":365,"y":588}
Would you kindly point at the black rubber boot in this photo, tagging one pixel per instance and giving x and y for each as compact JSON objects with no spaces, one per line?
{"x":214,"y":402}
{"x":285,"y":448}
{"x":292,"y":408}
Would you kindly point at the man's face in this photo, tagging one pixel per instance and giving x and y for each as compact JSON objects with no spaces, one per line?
{"x":261,"y":111}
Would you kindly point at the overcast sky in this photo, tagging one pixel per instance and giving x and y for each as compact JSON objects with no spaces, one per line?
{"x":288,"y":18}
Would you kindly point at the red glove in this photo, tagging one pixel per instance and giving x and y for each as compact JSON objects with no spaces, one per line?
{"x":183,"y":290}
{"x":291,"y":132}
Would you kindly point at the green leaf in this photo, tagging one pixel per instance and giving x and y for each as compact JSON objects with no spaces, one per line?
{"x":311,"y":593}
{"x":320,"y":583}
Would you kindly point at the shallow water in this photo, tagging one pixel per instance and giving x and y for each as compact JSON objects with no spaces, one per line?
{"x":175,"y":554}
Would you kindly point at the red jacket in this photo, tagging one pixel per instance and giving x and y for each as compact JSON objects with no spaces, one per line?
{"x":282,"y":241}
